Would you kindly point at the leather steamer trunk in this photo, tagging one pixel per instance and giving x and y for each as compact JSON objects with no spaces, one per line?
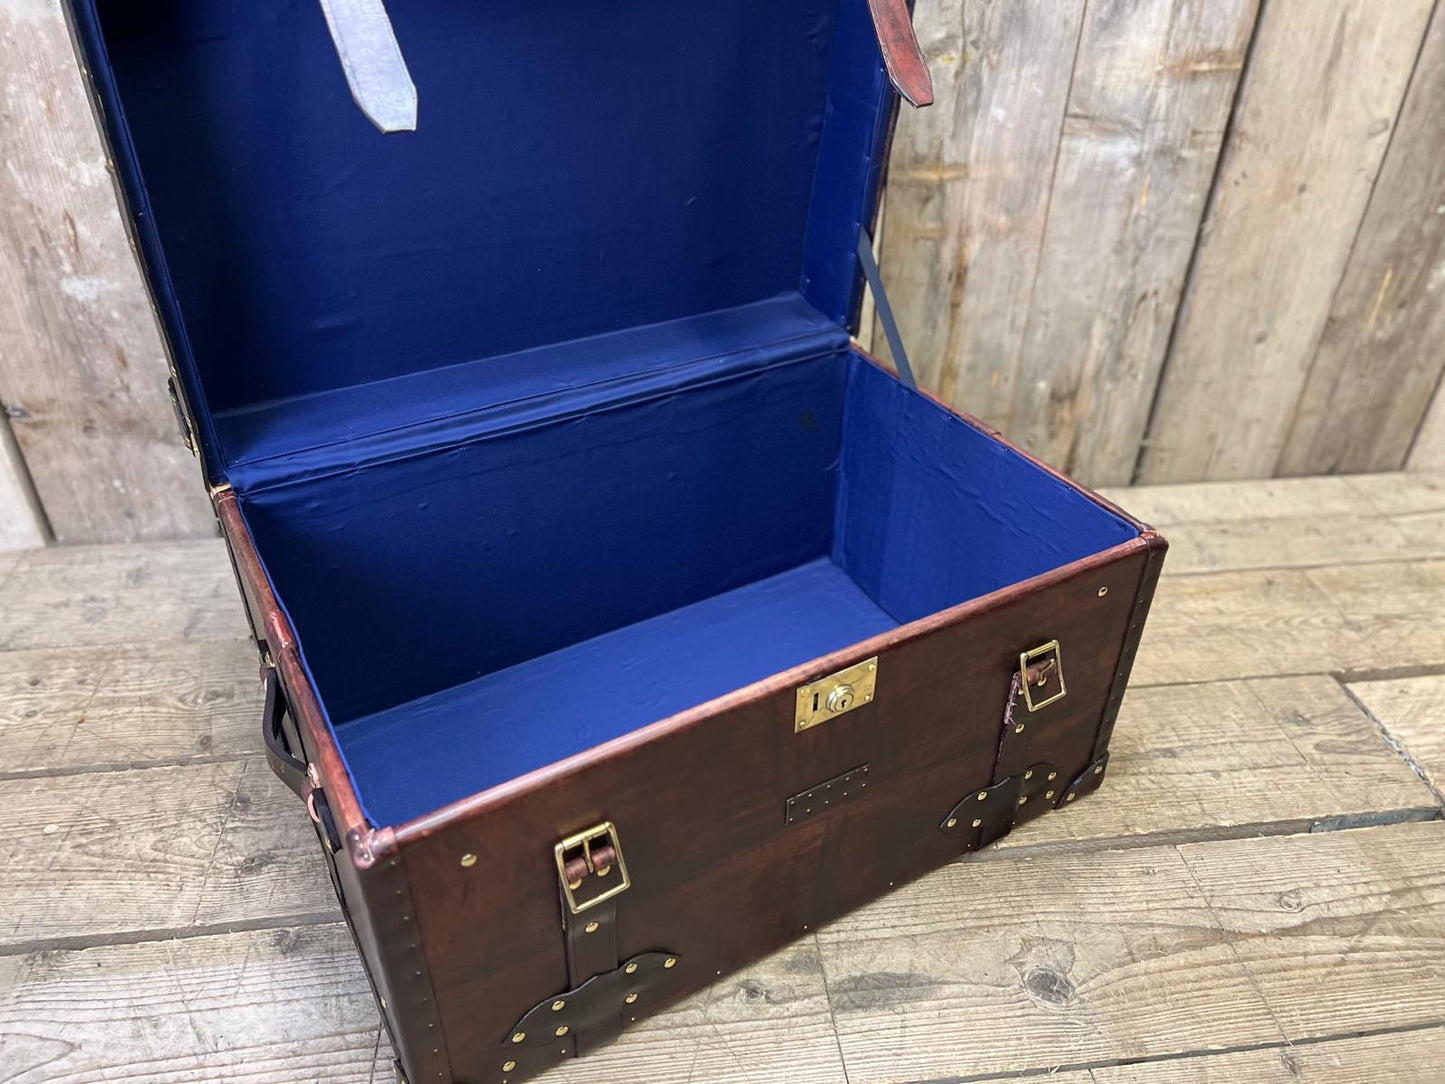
{"x":619,"y":618}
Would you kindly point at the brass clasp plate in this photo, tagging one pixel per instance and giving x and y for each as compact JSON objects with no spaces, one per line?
{"x":836,"y":694}
{"x":1041,"y":675}
{"x":589,"y":855}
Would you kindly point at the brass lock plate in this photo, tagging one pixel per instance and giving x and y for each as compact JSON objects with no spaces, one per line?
{"x":837,"y":694}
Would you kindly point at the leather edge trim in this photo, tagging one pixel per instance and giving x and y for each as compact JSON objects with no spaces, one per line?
{"x":1124,"y":667}
{"x":281,"y":640}
{"x":416,"y":1022}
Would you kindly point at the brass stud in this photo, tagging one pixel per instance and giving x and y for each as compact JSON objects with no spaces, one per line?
{"x":630,"y":998}
{"x":517,"y":1037}
{"x":1098,"y":769}
{"x":590,"y":928}
{"x":1048,"y":794}
{"x":951,"y":822}
{"x":1019,"y":727}
{"x":562,"y":1031}
{"x":1024,"y":800}
{"x":671,"y":961}
{"x":1103,"y":591}
{"x":558,"y":1005}
{"x":508,"y":1066}
{"x":1029,"y":774}
{"x":630,"y":968}
{"x":982,"y":795}
{"x":468,"y":861}
{"x":1071,"y":797}
{"x":1053,"y":776}
{"x":977,"y":822}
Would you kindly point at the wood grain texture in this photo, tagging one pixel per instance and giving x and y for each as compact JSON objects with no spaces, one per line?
{"x":1348,"y":926}
{"x":1151,"y":94}
{"x":21,"y":522}
{"x":1379,"y":359}
{"x":282,"y":1005}
{"x":82,"y":369}
{"x":1236,"y":758}
{"x":162,"y":850}
{"x":1356,"y":620}
{"x":263,"y":1007}
{"x":128,"y":705}
{"x":1412,"y":712}
{"x":1125,"y":954}
{"x":969,"y":192}
{"x":1428,"y":451}
{"x":1310,"y":130}
{"x":1361,"y":495}
{"x":1217,"y":526}
{"x":1399,"y":1055}
{"x":94,"y":595}
{"x":769,"y":1021}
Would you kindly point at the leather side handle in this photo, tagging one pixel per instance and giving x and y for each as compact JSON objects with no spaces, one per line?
{"x":288,"y":768}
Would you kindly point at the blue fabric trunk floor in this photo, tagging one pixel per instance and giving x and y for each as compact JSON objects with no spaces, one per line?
{"x":439,"y":748}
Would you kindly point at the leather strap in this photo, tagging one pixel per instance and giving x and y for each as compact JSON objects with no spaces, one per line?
{"x":885,"y":310}
{"x":591,"y":942}
{"x":907,"y":70}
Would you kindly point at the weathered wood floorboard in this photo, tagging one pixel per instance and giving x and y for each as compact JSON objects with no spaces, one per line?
{"x":92,"y":595}
{"x":1362,"y":495}
{"x":1412,"y":712}
{"x":1128,"y":927}
{"x":127,"y":705}
{"x":283,"y":1005}
{"x":264,"y":1007}
{"x":162,"y":849}
{"x":1413,"y":1056}
{"x":1356,"y":620}
{"x":1265,"y":756}
{"x":1000,"y":967}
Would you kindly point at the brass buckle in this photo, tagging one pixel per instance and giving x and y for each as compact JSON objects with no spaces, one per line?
{"x":1052,"y":647}
{"x":583,"y":840}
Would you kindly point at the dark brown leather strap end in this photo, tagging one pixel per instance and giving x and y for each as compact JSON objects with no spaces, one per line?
{"x":907,"y":69}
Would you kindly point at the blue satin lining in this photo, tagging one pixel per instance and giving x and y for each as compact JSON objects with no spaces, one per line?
{"x":451,"y":604}
{"x":578,"y":169}
{"x":515,"y":720}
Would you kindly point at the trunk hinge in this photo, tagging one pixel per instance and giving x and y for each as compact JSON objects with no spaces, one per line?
{"x":183,"y":423}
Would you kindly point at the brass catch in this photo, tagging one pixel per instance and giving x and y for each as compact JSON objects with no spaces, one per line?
{"x":836,"y":694}
{"x":1039,"y":670}
{"x":593,"y":853}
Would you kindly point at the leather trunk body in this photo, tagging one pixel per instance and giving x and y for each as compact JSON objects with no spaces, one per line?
{"x":459,"y":915}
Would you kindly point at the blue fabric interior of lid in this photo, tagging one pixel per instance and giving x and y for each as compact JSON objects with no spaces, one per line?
{"x":578,"y":169}
{"x":656,"y":550}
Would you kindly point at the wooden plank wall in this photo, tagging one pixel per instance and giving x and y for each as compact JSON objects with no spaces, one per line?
{"x":1153,"y":240}
{"x":1180,"y":240}
{"x":82,"y":369}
